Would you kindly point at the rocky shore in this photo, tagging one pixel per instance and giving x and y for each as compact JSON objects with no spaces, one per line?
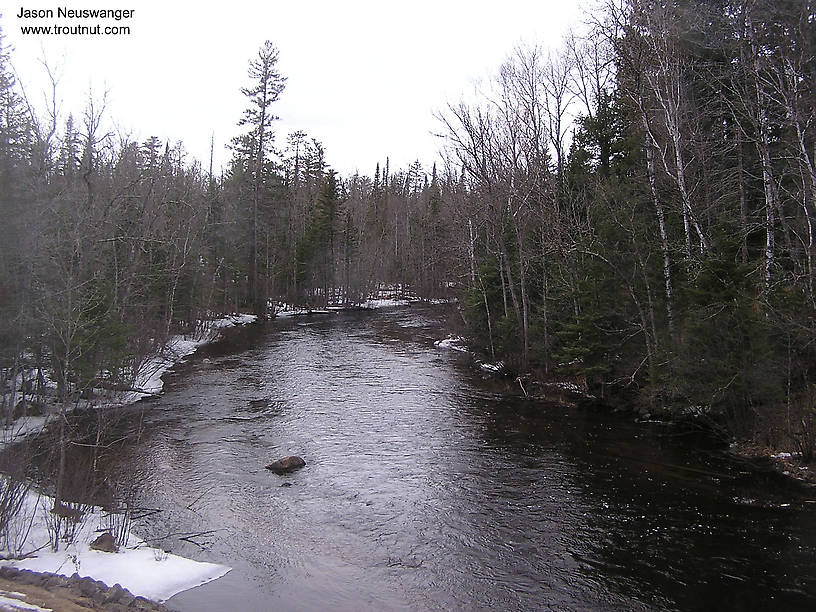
{"x":74,"y":594}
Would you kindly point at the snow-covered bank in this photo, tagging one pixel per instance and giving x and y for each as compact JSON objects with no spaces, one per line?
{"x":286,"y":310}
{"x":21,"y":428}
{"x":392,"y":302}
{"x":497,"y":367}
{"x":145,"y":571}
{"x":460,"y":344}
{"x":281,"y":309}
{"x":454,"y":343}
{"x":386,"y":303}
{"x":548,"y":389}
{"x":148,"y":380}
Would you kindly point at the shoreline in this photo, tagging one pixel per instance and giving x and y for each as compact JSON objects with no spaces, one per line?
{"x":147,"y":381}
{"x":78,"y":571}
{"x":784,"y":461}
{"x":29,"y":590}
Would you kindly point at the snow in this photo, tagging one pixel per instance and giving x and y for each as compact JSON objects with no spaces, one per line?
{"x":392,"y":302}
{"x":148,"y":380}
{"x":21,"y":428}
{"x":566,"y":386}
{"x":233,"y":320}
{"x":384,"y":303}
{"x":458,"y":343}
{"x":11,"y":600}
{"x":287,"y":310}
{"x":282,"y":309}
{"x":299,"y":312}
{"x":454,"y":343}
{"x":145,"y":571}
{"x":493,"y":367}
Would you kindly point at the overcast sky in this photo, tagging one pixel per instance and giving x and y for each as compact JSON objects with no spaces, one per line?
{"x":364,"y":77}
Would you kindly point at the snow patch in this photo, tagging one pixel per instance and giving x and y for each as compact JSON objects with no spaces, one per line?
{"x":385,"y":303}
{"x":566,"y":386}
{"x":233,"y":320}
{"x":145,"y":571}
{"x":22,"y":427}
{"x":301,"y":312}
{"x":11,"y":600}
{"x":282,"y":309}
{"x":454,"y":343}
{"x":149,"y":381}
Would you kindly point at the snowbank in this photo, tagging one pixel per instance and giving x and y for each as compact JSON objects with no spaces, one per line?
{"x":12,"y":600}
{"x":287,"y":310}
{"x":22,"y":427}
{"x":145,"y":571}
{"x":492,"y":367}
{"x":385,"y":303}
{"x":233,"y":320}
{"x":454,"y":343}
{"x":299,"y":312}
{"x":148,"y":380}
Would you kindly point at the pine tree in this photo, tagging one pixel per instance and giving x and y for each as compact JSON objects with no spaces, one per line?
{"x":255,"y":148}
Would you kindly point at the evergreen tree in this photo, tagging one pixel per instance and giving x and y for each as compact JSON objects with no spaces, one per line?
{"x":254,"y":148}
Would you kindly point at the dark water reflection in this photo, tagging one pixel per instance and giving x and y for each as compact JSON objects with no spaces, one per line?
{"x":429,"y":488}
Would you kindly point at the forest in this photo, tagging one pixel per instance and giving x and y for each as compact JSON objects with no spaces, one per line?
{"x":632,"y":211}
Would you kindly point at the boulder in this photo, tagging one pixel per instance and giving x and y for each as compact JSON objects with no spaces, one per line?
{"x":106,"y":543}
{"x":114,"y":593}
{"x":287,"y":464}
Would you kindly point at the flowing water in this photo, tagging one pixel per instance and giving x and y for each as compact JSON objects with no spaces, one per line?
{"x":430,"y":487}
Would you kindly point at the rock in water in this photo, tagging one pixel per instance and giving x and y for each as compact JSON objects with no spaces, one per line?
{"x":287,"y":464}
{"x":106,"y":543}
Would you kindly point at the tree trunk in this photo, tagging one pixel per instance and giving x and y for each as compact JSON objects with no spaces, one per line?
{"x":664,"y":239}
{"x":743,"y":202}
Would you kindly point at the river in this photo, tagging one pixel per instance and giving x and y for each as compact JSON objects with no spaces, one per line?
{"x":429,"y":486}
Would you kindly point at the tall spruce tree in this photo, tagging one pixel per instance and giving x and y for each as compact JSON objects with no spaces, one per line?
{"x":256,"y":147}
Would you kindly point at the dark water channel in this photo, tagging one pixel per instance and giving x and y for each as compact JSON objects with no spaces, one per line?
{"x":430,"y":488}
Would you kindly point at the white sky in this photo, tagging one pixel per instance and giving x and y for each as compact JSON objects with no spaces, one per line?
{"x":364,"y":77}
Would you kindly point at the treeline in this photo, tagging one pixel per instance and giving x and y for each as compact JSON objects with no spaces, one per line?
{"x":112,"y":245}
{"x":640,"y":209}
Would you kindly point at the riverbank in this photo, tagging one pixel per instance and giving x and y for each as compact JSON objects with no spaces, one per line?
{"x":32,"y":525}
{"x":783,"y":459}
{"x":784,"y":462}
{"x":33,"y":414}
{"x":123,"y":559}
{"x":42,"y":592}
